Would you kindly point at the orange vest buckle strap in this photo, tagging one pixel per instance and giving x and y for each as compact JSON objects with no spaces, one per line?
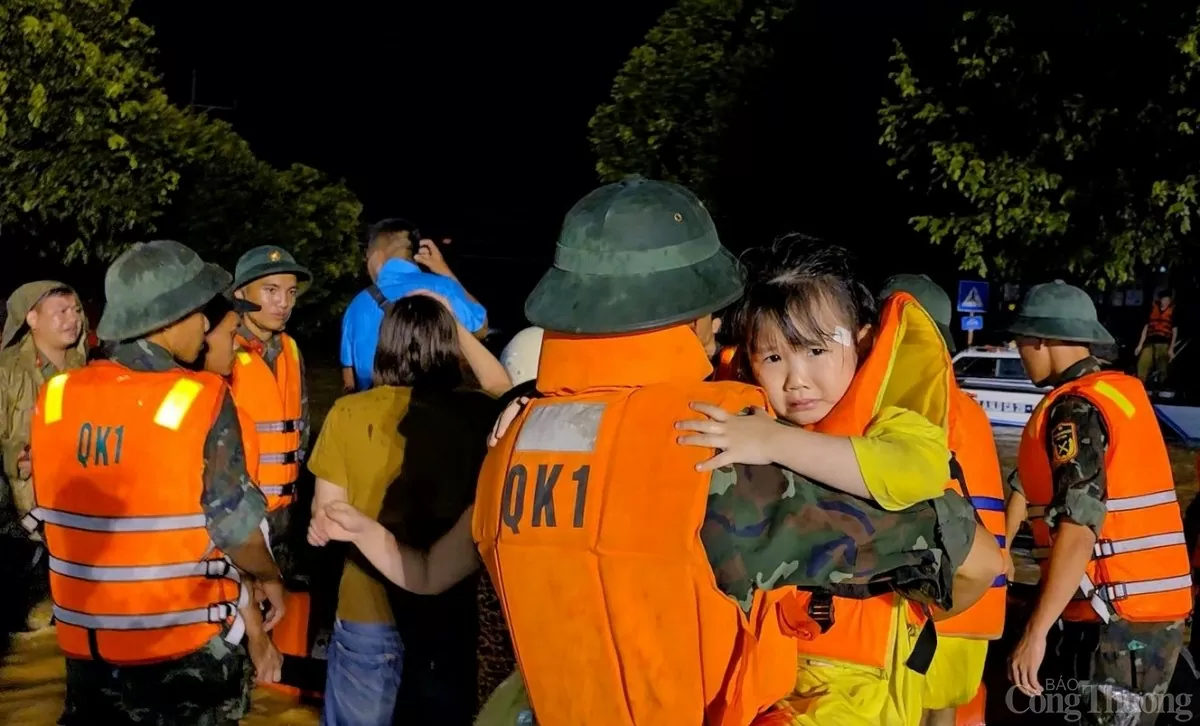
{"x":219,"y":568}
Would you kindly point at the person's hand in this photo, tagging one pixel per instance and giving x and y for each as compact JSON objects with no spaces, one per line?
{"x":430,"y":257}
{"x":436,"y":296}
{"x":275,"y":594}
{"x":268,"y":661}
{"x":1025,"y":661}
{"x":318,"y":535}
{"x":1137,"y":351}
{"x":506,"y":418}
{"x":24,"y":464}
{"x":1171,"y":355}
{"x":344,"y":523}
{"x":1010,"y":567}
{"x":741,"y":438}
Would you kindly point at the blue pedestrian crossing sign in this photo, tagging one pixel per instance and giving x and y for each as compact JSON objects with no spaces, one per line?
{"x":972,"y":322}
{"x":972,"y":296}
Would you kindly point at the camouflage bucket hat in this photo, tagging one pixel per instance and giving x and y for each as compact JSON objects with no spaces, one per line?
{"x":633,"y":256}
{"x":154,"y":284}
{"x":1058,"y":311}
{"x":267,"y":260}
{"x":20,"y":302}
{"x":931,"y":297}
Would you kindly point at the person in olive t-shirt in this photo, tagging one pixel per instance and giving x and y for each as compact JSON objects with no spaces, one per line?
{"x":406,"y":452}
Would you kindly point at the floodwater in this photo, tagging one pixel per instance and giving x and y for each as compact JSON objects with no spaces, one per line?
{"x":32,"y":688}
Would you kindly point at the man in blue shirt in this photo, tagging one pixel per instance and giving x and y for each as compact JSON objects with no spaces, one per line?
{"x":394,"y":251}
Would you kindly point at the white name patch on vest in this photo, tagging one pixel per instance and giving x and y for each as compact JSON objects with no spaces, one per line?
{"x":568,"y":427}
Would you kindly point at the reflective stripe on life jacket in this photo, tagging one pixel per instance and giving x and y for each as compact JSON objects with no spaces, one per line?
{"x":979,"y":465}
{"x":272,"y":400}
{"x":588,"y":516}
{"x":1161,"y":321}
{"x":908,"y":366}
{"x":134,"y":575}
{"x":1139,"y":569}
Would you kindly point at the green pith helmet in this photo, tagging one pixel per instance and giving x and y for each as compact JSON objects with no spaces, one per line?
{"x":931,"y":296}
{"x":154,"y":284}
{"x":633,"y":256}
{"x":266,"y":260}
{"x":1058,"y":311}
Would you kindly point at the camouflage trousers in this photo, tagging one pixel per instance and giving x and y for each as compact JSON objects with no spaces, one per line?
{"x":1116,"y":674}
{"x":210,"y":687}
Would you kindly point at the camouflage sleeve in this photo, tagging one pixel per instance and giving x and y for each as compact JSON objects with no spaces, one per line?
{"x":1014,"y":482}
{"x":1076,"y":441}
{"x":233,"y":505}
{"x":306,"y":431}
{"x":768,"y":527}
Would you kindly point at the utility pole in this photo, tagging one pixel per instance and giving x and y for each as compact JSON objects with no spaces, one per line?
{"x":203,"y":107}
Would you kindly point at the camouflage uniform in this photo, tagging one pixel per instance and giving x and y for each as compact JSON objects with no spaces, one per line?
{"x":642,"y":255}
{"x":255,"y":264}
{"x":279,"y":521}
{"x":761,"y":518}
{"x":1116,"y":665}
{"x":210,"y":687}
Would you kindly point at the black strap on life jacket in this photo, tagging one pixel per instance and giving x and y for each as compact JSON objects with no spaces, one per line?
{"x":820,"y":609}
{"x":377,"y":295}
{"x":923,"y":650}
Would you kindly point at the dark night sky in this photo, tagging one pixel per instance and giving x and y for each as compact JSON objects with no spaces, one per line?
{"x":471,"y":118}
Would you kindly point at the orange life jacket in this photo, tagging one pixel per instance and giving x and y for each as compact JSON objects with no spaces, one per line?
{"x":117,"y":477}
{"x":862,"y":631}
{"x":978,"y":465}
{"x":1139,"y":569}
{"x":249,"y":442}
{"x":726,"y":364}
{"x":272,"y":400}
{"x":1161,"y":321}
{"x":588,"y":516}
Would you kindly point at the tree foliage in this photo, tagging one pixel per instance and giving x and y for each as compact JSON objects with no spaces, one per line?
{"x":1053,"y":135}
{"x":672,"y":99}
{"x":95,"y":157}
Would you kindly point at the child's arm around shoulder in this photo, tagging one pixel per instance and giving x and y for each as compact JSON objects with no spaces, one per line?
{"x":902,"y":459}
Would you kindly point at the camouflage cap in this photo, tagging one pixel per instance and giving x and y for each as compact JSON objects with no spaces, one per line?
{"x":632,"y":256}
{"x":931,"y":297}
{"x":20,"y":302}
{"x":1058,"y":311}
{"x":154,"y":284}
{"x":266,"y":260}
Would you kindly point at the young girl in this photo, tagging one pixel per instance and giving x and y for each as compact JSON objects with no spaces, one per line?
{"x":862,"y":396}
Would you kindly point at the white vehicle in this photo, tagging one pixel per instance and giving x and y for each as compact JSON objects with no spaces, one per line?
{"x":996,"y":379}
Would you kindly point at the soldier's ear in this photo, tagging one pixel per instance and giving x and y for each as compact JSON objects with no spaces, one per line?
{"x":239,"y":293}
{"x":31,"y":318}
{"x":716,"y":325}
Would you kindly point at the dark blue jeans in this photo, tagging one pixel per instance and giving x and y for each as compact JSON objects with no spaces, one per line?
{"x":363,"y":674}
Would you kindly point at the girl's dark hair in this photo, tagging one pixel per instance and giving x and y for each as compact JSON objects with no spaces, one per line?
{"x":791,"y":282}
{"x":418,"y":345}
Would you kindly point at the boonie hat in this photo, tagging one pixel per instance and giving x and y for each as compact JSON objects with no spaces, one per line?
{"x":632,"y":256}
{"x":154,"y":284}
{"x":20,"y":302}
{"x":1058,"y":311}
